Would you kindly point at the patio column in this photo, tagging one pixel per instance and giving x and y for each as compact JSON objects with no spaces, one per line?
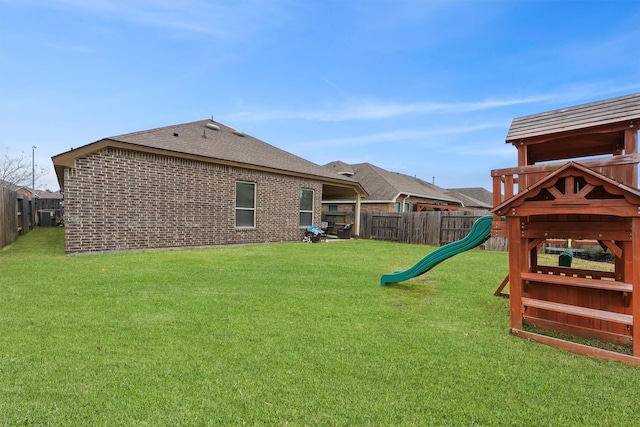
{"x":357,"y":215}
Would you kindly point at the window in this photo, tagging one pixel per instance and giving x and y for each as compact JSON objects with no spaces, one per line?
{"x":396,"y":207}
{"x":333,"y":208}
{"x":406,"y":207}
{"x":245,"y":204}
{"x":306,"y":207}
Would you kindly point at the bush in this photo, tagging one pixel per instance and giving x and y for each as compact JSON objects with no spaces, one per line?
{"x":595,"y":253}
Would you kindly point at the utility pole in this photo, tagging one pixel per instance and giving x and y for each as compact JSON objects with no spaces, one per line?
{"x":33,"y":184}
{"x":33,"y":170}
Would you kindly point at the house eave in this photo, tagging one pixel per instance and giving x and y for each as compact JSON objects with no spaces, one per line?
{"x":406,"y":195}
{"x":68,"y":160}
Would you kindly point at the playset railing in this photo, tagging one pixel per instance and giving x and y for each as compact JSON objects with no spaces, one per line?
{"x":510,"y":181}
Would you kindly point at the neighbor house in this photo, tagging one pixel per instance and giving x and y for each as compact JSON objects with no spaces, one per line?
{"x":387,"y":192}
{"x":187,"y":185}
{"x":392,"y":191}
{"x":473,"y":197}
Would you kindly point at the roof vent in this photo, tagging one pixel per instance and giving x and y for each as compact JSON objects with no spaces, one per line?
{"x":212,"y":126}
{"x":176,"y":134}
{"x":239,"y":133}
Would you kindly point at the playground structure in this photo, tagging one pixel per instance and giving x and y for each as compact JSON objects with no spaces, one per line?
{"x":589,"y":194}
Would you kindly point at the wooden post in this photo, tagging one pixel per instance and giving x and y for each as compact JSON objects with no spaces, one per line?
{"x":523,"y":160}
{"x":631,"y":147}
{"x":515,"y":269}
{"x":497,"y":190}
{"x":635,"y":277}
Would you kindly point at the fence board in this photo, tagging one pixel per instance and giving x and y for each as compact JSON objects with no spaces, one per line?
{"x":8,"y":216}
{"x":423,"y":228}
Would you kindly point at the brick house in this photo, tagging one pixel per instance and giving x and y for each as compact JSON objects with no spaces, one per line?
{"x":392,"y":191}
{"x":386,"y":192}
{"x":188,"y":185}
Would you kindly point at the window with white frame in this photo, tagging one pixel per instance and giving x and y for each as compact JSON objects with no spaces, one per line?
{"x":306,"y":207}
{"x":245,"y":204}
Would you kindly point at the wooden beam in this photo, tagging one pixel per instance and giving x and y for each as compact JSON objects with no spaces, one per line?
{"x":517,"y":256}
{"x":535,"y":243}
{"x":611,"y":245}
{"x":592,"y":313}
{"x":596,"y":230}
{"x":608,"y":285}
{"x":612,"y":207}
{"x":634,"y":258}
{"x":577,"y":348}
{"x":631,"y":147}
{"x":550,"y":167}
{"x":499,"y":292}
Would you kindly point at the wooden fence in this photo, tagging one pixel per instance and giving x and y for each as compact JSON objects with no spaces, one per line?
{"x":17,"y":216}
{"x":423,"y":228}
{"x":8,"y":216}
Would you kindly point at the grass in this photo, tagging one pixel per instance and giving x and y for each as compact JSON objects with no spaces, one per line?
{"x":281,"y":334}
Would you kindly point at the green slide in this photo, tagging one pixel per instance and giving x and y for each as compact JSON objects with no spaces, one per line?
{"x":480,"y":233}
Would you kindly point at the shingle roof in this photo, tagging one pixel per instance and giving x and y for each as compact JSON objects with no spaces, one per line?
{"x":45,"y":194}
{"x":41,"y":194}
{"x":614,"y":110}
{"x":477,"y":194}
{"x":224,"y":144}
{"x":8,"y":185}
{"x":383,"y":185}
{"x":212,"y":141}
{"x":469,"y":202}
{"x":341,"y":167}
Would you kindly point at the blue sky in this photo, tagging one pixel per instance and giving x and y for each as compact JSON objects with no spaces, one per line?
{"x":424,"y":88}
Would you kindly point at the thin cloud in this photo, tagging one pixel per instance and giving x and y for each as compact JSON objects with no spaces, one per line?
{"x":367,"y":109}
{"x":396,"y":136}
{"x":220,"y":20}
{"x":361,"y":109}
{"x":483,"y":149}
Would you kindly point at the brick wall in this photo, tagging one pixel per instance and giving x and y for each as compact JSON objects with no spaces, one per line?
{"x":124,"y":200}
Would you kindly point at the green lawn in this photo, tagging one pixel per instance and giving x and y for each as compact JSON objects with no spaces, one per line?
{"x":281,"y":334}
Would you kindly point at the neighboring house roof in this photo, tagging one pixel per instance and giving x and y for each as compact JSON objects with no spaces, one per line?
{"x":46,"y":194}
{"x":610,"y":111}
{"x":40,"y":194}
{"x":207,"y":140}
{"x":473,"y":196}
{"x":385,"y":186}
{"x":469,"y":202}
{"x":341,"y":168}
{"x":15,"y":187}
{"x":8,"y":185}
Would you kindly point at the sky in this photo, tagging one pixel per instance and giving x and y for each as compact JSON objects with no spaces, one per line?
{"x":424,"y":88}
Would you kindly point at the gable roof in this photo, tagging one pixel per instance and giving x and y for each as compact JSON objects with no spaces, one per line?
{"x":468,"y":201}
{"x":8,"y":185}
{"x":46,"y":194}
{"x":479,"y":195}
{"x":20,"y":188}
{"x":385,"y":186}
{"x":574,"y":202}
{"x":341,"y":167}
{"x":209,"y":141}
{"x":40,"y":194}
{"x":615,"y":110}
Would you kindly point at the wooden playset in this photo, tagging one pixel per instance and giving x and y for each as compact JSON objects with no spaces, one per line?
{"x":577,"y":179}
